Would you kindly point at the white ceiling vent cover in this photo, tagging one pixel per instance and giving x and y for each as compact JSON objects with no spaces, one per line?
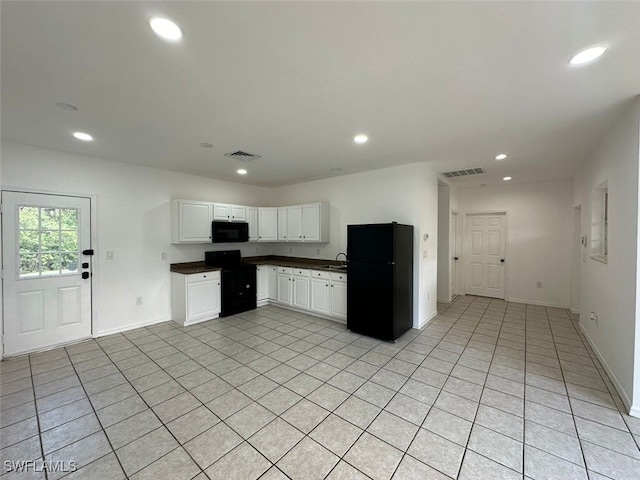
{"x":464,"y":173}
{"x":242,"y":156}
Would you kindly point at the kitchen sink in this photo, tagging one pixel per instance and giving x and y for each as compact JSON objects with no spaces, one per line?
{"x":335,"y":267}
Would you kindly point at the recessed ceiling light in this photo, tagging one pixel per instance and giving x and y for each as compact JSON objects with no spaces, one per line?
{"x":85,"y":137}
{"x":241,"y":171}
{"x":206,"y":145}
{"x":66,"y":106}
{"x":501,"y":156}
{"x":360,"y":138}
{"x":165,"y":29}
{"x":587,"y":55}
{"x":506,"y":179}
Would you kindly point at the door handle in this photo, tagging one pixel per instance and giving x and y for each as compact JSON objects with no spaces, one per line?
{"x":85,"y":275}
{"x":455,"y":258}
{"x":502,"y":260}
{"x":88,"y":252}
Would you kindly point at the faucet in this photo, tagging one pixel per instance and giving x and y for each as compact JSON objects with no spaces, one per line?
{"x":345,"y":257}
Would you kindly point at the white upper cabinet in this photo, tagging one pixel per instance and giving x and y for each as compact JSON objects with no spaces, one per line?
{"x":267,"y":224}
{"x":232,"y":213}
{"x":252,"y":219}
{"x":308,"y":223}
{"x":283,"y":235}
{"x":191,"y":221}
{"x":294,"y":223}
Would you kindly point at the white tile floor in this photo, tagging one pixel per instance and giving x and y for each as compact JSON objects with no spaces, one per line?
{"x":488,"y":390}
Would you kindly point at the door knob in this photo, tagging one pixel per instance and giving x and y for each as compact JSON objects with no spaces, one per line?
{"x":502,"y":260}
{"x":455,"y":258}
{"x":85,"y":275}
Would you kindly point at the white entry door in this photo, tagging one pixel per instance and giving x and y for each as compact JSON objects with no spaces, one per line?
{"x":484,"y":259}
{"x":46,"y":297}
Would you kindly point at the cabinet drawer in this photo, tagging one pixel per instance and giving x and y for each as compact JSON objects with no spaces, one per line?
{"x":319,"y":274}
{"x":284,"y":270}
{"x":299,"y":272}
{"x":339,"y":277}
{"x":201,"y":277}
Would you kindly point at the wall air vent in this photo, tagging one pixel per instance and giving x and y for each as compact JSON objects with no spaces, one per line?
{"x":464,"y":173}
{"x":243,"y":156}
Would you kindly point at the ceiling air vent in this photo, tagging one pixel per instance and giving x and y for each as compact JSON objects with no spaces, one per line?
{"x":464,"y":173}
{"x":243,"y":156}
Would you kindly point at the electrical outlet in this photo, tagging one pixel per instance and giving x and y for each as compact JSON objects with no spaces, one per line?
{"x":593,"y":317}
{"x":290,"y":250}
{"x":164,"y":255}
{"x":138,"y":300}
{"x":317,"y":251}
{"x":109,"y":255}
{"x":538,"y":284}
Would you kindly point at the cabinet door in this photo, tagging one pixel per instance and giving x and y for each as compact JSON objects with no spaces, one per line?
{"x":194,"y":222}
{"x":282,"y":224}
{"x":272,"y":282}
{"x":284,"y":289}
{"x":339,"y":300}
{"x":301,"y":292}
{"x":262,"y":280}
{"x":221,"y":211}
{"x":203,"y":298}
{"x":319,"y":298}
{"x":294,"y":223}
{"x":238,"y":213}
{"x":252,"y":218}
{"x":267,"y":224}
{"x":311,"y":222}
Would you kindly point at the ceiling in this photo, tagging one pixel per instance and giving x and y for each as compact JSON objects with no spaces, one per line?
{"x":451,"y":84}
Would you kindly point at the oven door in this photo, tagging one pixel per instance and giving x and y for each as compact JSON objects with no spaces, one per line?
{"x":238,"y":289}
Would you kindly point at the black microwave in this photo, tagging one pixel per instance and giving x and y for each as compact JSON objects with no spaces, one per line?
{"x":229,"y":232}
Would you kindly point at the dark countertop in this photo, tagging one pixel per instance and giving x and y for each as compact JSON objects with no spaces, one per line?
{"x":188,"y":268}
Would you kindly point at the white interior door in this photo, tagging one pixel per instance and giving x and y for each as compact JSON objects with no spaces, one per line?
{"x":47,"y":301}
{"x":455,"y":255}
{"x":484,"y":259}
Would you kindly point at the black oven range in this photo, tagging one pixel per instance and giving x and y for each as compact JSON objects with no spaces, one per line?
{"x":238,"y":281}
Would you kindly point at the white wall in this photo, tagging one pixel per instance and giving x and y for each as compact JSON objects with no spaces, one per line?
{"x":132,"y":220}
{"x":611,"y":290}
{"x":406,"y":194}
{"x":444,"y":245}
{"x":539,"y":223}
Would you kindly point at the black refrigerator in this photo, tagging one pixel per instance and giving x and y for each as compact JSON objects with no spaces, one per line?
{"x":380,"y":279}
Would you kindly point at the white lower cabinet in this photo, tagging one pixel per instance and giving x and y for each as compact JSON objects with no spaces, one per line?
{"x":284,"y":292}
{"x":300,"y":282}
{"x":320,"y":293}
{"x":272,"y":282}
{"x":339,"y":295}
{"x":262,"y":283}
{"x":195,"y":298}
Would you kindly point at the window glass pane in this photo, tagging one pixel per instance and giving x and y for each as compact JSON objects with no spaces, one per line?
{"x":28,"y":218}
{"x":29,"y":265}
{"x":69,"y":241}
{"x":29,"y":241}
{"x":50,"y":263}
{"x":69,"y":262}
{"x":49,"y":219}
{"x":50,"y":241}
{"x":69,"y":219}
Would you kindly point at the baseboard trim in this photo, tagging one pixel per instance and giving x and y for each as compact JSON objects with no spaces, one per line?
{"x":126,"y":328}
{"x":535,"y":302}
{"x":616,"y":383}
{"x":430,"y":317}
{"x":444,"y":300}
{"x":575,"y":311}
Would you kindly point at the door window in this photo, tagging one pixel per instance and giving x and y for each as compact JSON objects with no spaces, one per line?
{"x":47,"y":241}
